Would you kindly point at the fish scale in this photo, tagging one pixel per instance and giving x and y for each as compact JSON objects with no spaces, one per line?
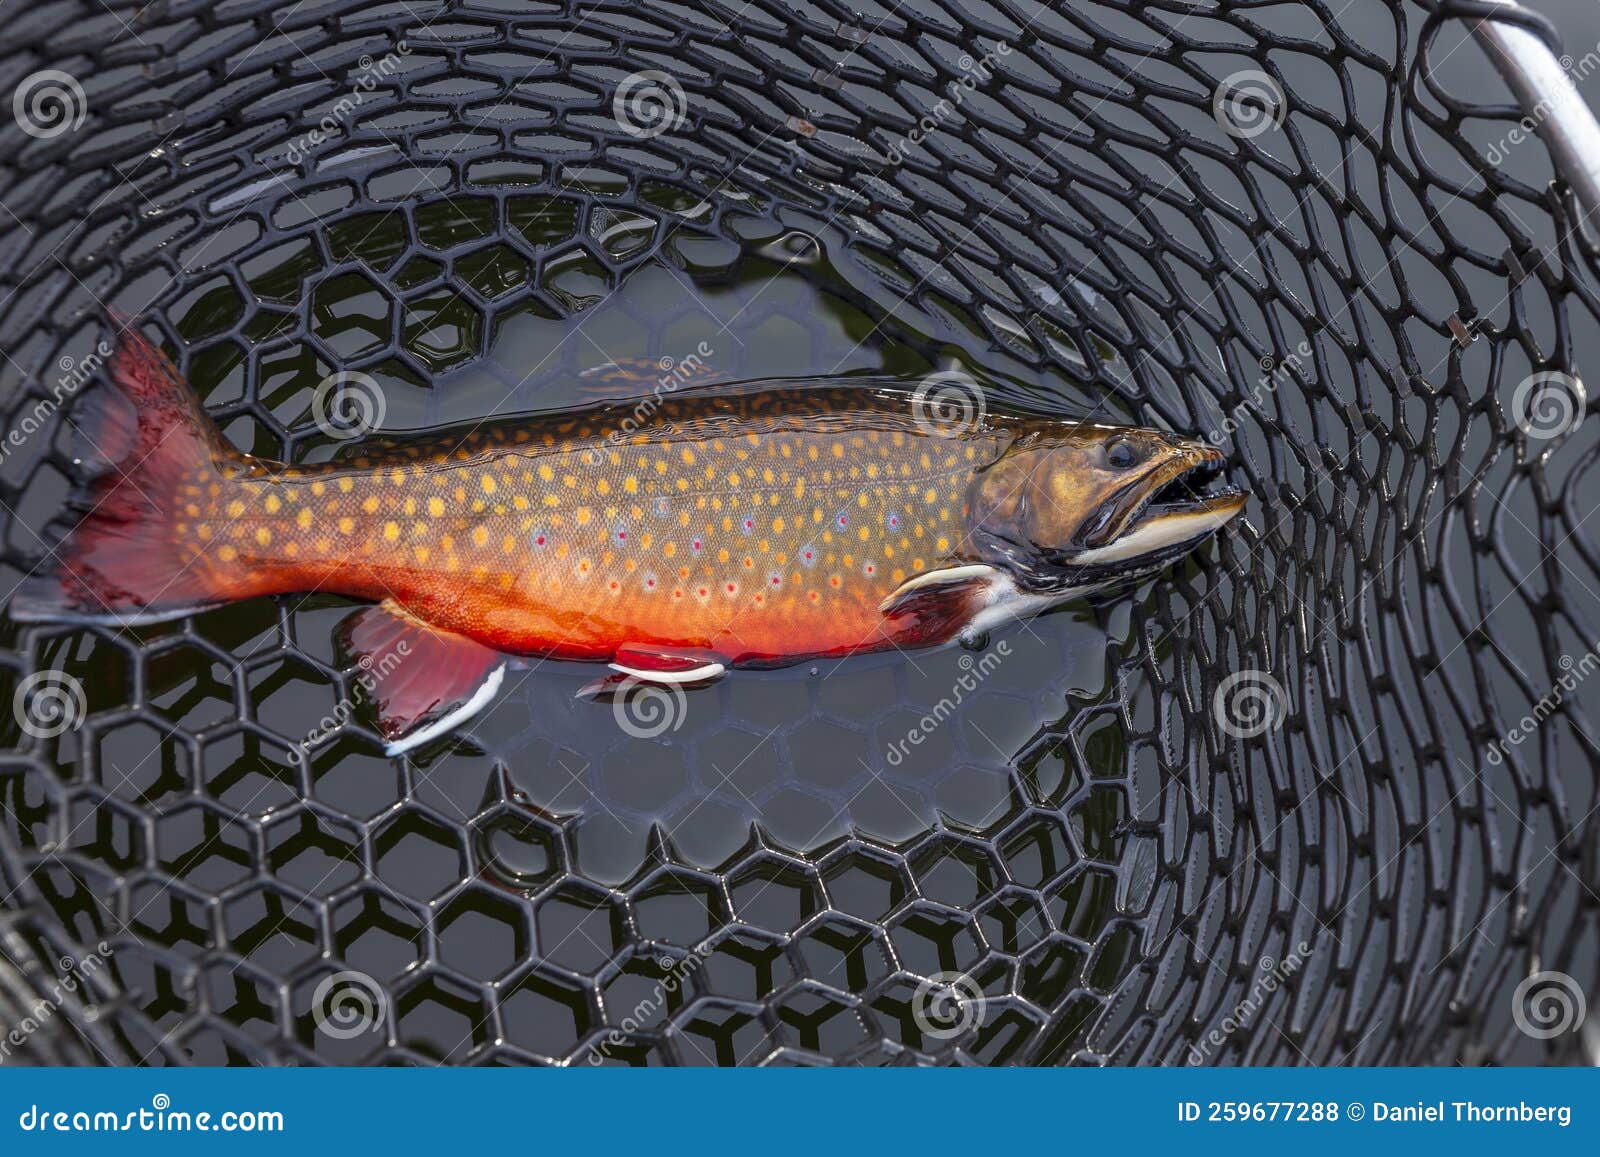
{"x":553,"y":538}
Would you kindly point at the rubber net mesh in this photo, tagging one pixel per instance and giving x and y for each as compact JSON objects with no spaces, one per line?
{"x":1313,"y":231}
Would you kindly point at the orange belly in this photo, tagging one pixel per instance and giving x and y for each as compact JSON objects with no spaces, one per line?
{"x":765,"y":547}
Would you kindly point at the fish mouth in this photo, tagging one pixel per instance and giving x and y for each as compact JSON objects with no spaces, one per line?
{"x":1145,"y":524}
{"x":1184,"y":493}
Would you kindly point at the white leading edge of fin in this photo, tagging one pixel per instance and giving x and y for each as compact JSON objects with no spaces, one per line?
{"x":1006,"y":602}
{"x":699,"y":674}
{"x":934,"y":578}
{"x":480,"y":699}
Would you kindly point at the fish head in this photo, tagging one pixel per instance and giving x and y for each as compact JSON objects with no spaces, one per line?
{"x":1076,"y":507}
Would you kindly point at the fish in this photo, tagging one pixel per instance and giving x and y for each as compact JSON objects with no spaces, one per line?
{"x":674,"y":538}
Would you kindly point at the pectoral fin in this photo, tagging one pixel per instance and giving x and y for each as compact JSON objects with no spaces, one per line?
{"x":940,"y":602}
{"x":423,"y":681}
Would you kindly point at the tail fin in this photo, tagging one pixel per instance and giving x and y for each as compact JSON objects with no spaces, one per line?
{"x":128,"y":560}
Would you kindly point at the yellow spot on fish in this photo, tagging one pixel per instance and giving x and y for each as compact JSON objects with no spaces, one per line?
{"x":488,"y":484}
{"x":263,"y":535}
{"x":346,"y":485}
{"x":546,"y":474}
{"x":371,"y":504}
{"x":227,"y":554}
{"x":391,"y":531}
{"x":688,"y":456}
{"x":346,"y":525}
{"x":303,"y":519}
{"x":480,"y":535}
{"x":436,"y":507}
{"x":235,"y":509}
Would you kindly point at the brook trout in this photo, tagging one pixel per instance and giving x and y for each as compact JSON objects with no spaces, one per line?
{"x":675,"y":540}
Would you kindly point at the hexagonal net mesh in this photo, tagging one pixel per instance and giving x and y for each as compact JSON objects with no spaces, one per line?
{"x":1304,"y":229}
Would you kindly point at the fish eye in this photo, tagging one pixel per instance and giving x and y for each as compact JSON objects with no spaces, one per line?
{"x":1121,"y":454}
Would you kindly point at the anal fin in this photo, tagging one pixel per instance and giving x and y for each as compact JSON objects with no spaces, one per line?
{"x":424,"y":681}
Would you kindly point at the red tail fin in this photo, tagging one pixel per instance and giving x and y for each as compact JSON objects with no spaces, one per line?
{"x":126,"y":560}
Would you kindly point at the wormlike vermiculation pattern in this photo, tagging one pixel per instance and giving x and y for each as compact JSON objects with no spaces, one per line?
{"x":756,"y":534}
